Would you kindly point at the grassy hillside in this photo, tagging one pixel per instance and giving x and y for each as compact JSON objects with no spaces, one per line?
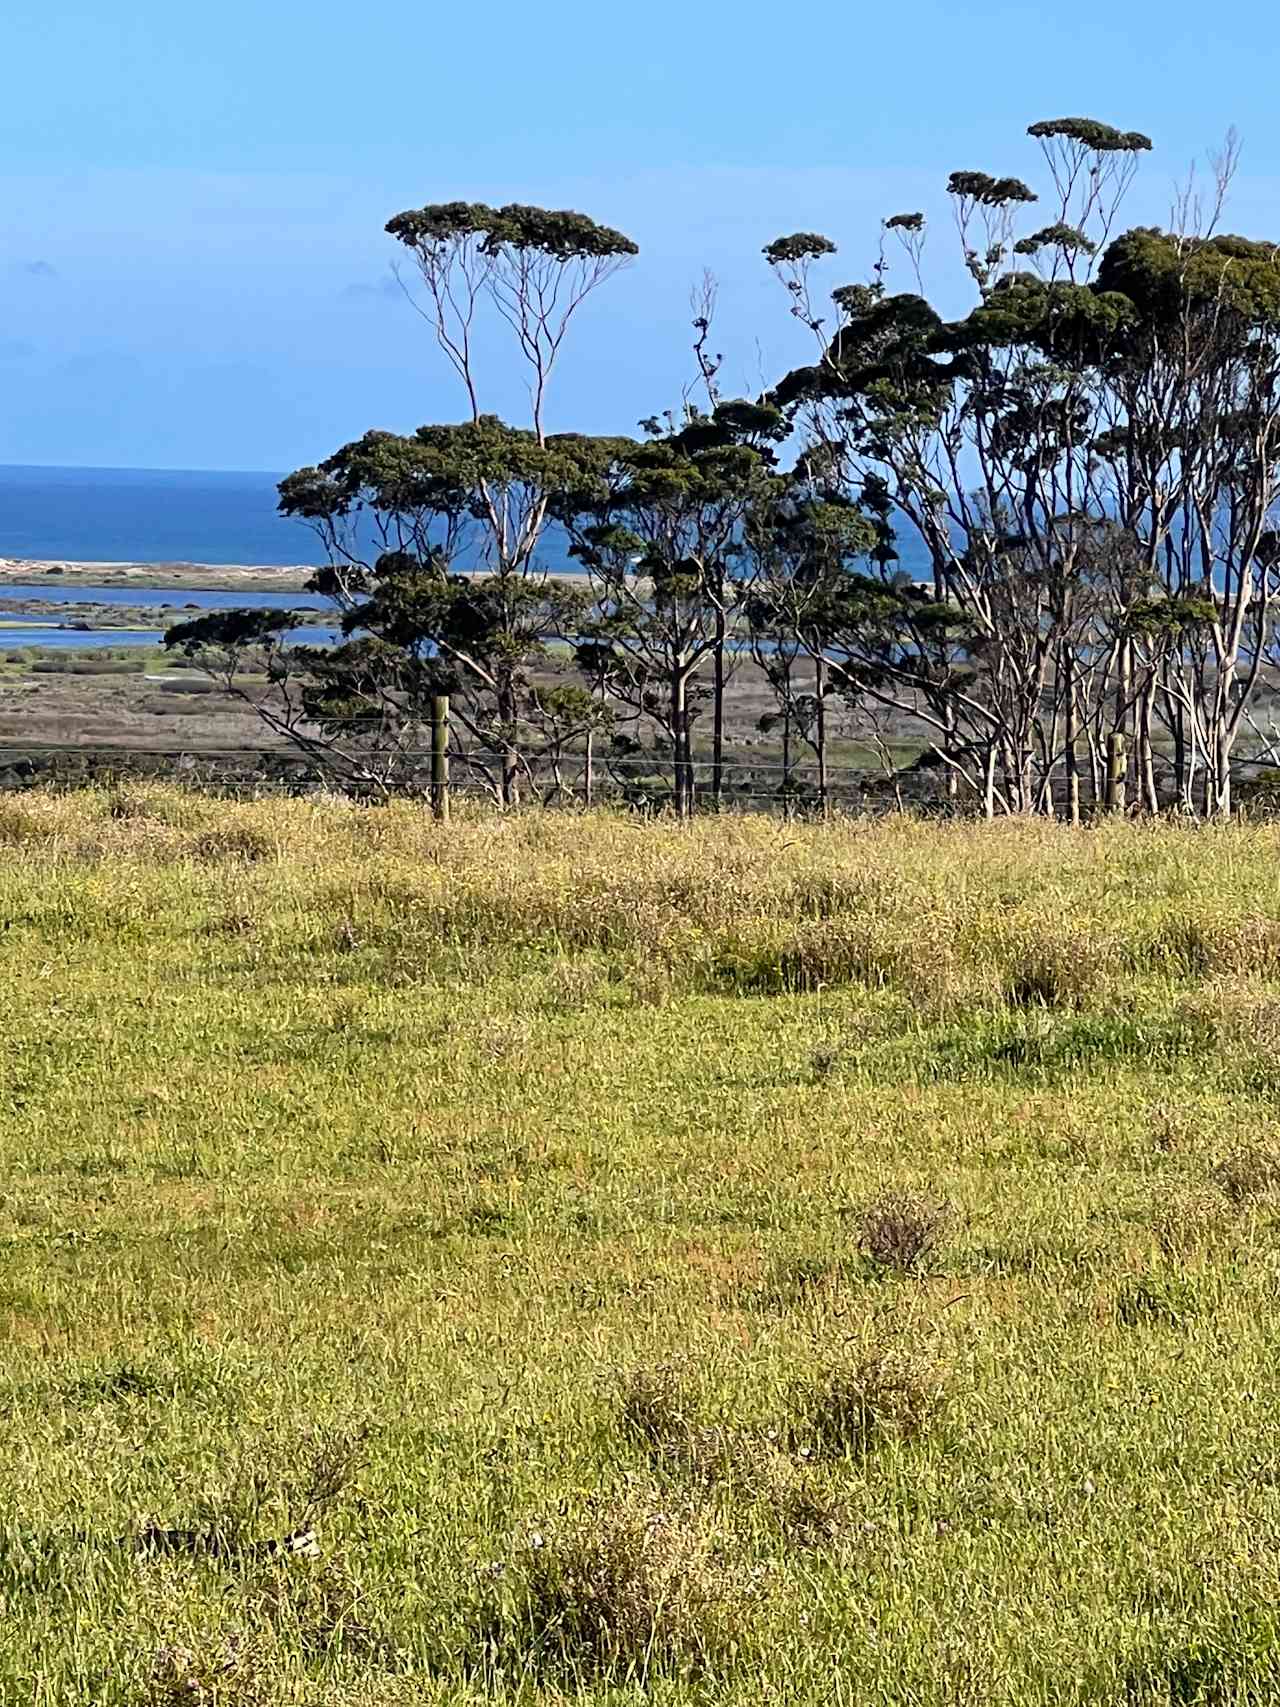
{"x":531,"y":1209}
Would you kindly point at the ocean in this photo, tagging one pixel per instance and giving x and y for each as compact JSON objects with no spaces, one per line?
{"x":145,"y":515}
{"x":161,"y":515}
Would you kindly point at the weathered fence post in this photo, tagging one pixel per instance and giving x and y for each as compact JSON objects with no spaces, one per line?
{"x":1117,"y":771}
{"x":440,"y":758}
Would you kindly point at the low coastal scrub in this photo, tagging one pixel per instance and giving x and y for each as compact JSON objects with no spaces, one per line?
{"x":562,"y":1256}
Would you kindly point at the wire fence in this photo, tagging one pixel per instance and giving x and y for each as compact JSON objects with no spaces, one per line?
{"x":646,"y":780}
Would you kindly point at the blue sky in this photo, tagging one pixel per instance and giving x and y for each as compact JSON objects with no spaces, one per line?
{"x":192,"y":266}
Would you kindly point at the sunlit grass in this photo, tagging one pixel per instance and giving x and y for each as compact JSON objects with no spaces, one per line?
{"x":507,"y":1203}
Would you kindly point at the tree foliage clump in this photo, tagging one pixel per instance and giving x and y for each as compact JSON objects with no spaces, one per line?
{"x":1084,"y":463}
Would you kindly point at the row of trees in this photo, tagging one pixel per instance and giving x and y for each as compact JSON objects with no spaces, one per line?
{"x":1086,"y":463}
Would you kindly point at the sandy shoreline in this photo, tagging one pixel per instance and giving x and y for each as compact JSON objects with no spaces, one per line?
{"x":192,"y":577}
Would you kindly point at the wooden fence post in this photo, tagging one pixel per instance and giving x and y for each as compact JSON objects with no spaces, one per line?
{"x":440,"y":758}
{"x":1117,"y":772}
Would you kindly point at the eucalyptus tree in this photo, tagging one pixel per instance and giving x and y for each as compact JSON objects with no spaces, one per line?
{"x":658,"y":526}
{"x":802,"y":541}
{"x":432,"y":540}
{"x":1088,"y":459}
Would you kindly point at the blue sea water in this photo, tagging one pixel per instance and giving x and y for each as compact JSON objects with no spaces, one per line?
{"x":152,"y":515}
{"x":142,"y":515}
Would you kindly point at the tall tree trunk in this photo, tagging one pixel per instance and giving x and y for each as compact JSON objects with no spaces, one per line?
{"x":1071,"y":737}
{"x":717,"y":705}
{"x":1121,"y":725}
{"x":509,"y":752}
{"x":820,"y":731}
{"x":1220,"y":773}
{"x":786,"y":746}
{"x":681,"y":769}
{"x":1146,"y":750}
{"x":1175,"y":721}
{"x":952,"y":784}
{"x":989,"y":783}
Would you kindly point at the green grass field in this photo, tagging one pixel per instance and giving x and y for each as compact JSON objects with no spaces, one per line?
{"x":529,"y":1208}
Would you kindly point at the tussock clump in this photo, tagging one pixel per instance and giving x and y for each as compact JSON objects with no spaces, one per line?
{"x":499,"y":1039}
{"x":1189,"y":1222}
{"x":794,"y":1283}
{"x":901,"y":1229}
{"x":651,"y":983}
{"x":236,"y":841}
{"x":1247,"y":1173}
{"x":1246,"y":946}
{"x":856,"y":1406}
{"x":656,"y":1407}
{"x":20,"y":827}
{"x":1236,"y":1013}
{"x":1059,"y":969}
{"x":824,"y":1061}
{"x":1171,"y":1129}
{"x":574,"y":985}
{"x":321,"y":1609}
{"x":1182,"y":945}
{"x":122,"y":806}
{"x":657,"y":1410}
{"x":631,"y":1588}
{"x":231,"y":924}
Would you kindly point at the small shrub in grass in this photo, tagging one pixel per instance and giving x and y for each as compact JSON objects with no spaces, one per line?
{"x":1157,"y":1301}
{"x":902,"y":1229}
{"x":230,"y":1670}
{"x":824,"y":1061}
{"x":855,"y":1406}
{"x":320,"y":1609}
{"x":632,"y":1588}
{"x":231,"y":924}
{"x":1171,"y":1128}
{"x":655,"y":1407}
{"x":807,"y":1510}
{"x":1248,"y":1172}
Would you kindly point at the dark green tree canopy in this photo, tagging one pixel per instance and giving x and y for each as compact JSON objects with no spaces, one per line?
{"x":1162,"y":275}
{"x":1059,"y":236}
{"x":986,"y":191}
{"x":559,"y":234}
{"x":800,"y":246}
{"x":441,"y":469}
{"x":1092,"y":134}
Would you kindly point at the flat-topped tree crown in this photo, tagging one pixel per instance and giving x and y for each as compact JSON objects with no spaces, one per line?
{"x":799,"y":246}
{"x":987,"y":191}
{"x":531,"y":267}
{"x":1091,"y":134}
{"x":559,"y":234}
